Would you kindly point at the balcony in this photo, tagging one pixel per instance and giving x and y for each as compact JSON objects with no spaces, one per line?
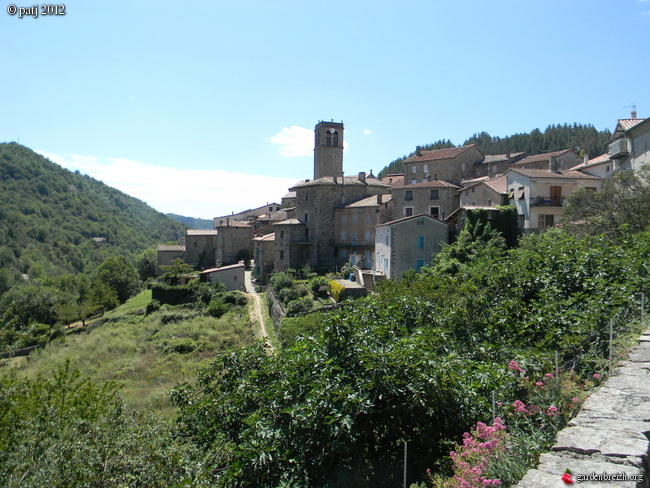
{"x":619,"y":149}
{"x":541,"y":201}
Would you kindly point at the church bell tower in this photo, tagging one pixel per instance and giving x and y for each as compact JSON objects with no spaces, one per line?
{"x":328,"y":149}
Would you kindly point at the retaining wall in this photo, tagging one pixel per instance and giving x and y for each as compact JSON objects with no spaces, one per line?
{"x":609,"y":437}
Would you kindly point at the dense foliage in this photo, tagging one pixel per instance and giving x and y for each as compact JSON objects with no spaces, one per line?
{"x":585,"y":138}
{"x":50,"y":217}
{"x":191,"y":222}
{"x":416,"y":363}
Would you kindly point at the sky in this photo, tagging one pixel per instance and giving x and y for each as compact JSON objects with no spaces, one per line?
{"x":208,"y":108}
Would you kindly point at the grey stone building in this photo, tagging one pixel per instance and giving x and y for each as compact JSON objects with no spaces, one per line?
{"x":435,"y":198}
{"x":452,"y":164}
{"x":309,"y":237}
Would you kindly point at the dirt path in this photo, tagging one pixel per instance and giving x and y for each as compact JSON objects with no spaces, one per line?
{"x":255,"y":308}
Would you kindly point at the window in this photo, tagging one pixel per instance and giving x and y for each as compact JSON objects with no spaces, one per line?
{"x":545,"y":221}
{"x":386,"y":239}
{"x":521,"y":193}
{"x":414,"y":169}
{"x":281,"y":254}
{"x":344,"y":253}
{"x":306,"y":234}
{"x":419,"y":241}
{"x":434,"y":195}
{"x":306,"y":196}
{"x":367,"y":219}
{"x":420,"y":222}
{"x":234,"y":278}
{"x":414,"y":181}
{"x":408,"y":211}
{"x":434,"y":212}
{"x":418,"y":264}
{"x":196,"y":244}
{"x":426,"y":168}
{"x":409,"y":195}
{"x":306,"y":217}
{"x":511,"y":193}
{"x":361,"y":210}
{"x":344,"y":236}
{"x":353,"y":237}
{"x":354,"y":220}
{"x":367,"y":236}
{"x":344,"y":219}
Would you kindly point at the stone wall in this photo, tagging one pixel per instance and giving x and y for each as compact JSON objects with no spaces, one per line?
{"x":610,"y":434}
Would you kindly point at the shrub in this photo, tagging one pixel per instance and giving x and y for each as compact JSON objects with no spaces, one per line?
{"x":217,"y":306}
{"x":307,"y":303}
{"x":236,"y":298}
{"x":289,"y":294}
{"x":336,"y":289}
{"x":281,"y":280}
{"x":295,"y":307}
{"x":319,"y":284}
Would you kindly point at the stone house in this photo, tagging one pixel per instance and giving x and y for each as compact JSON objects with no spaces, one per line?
{"x":539,"y":194}
{"x":564,"y":159}
{"x":630,"y":146}
{"x":495,"y":164}
{"x":452,"y":164}
{"x":264,"y":256}
{"x":232,"y":276}
{"x":486,"y":192}
{"x":435,"y":198}
{"x":247,"y":215}
{"x":354,"y":228}
{"x":408,"y":243}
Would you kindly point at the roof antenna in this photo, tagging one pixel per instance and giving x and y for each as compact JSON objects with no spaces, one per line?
{"x":633,"y":107}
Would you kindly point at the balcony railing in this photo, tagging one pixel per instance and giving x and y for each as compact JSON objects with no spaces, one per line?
{"x":618,"y":149}
{"x":541,"y":201}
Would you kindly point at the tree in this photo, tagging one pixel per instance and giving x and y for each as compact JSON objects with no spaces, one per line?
{"x":620,"y":207}
{"x":147,"y":264}
{"x":175,"y":270}
{"x":120,"y":275}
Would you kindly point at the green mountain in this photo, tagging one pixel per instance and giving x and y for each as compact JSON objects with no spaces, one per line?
{"x":192,"y":222}
{"x":586,"y":138}
{"x":54,"y":221}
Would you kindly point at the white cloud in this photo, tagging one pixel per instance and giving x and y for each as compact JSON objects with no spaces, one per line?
{"x":190,"y":192}
{"x":295,"y":141}
{"x":367,"y":132}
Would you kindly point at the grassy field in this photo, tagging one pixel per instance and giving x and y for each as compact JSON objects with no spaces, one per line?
{"x":147,"y":354}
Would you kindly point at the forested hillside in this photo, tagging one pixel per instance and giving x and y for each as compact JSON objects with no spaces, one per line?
{"x":53,"y":221}
{"x":191,"y":222}
{"x":586,"y":138}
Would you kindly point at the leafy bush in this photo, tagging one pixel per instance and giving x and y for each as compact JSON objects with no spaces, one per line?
{"x":318,"y":285}
{"x":336,"y":289}
{"x":236,"y":298}
{"x":295,"y":307}
{"x":217,"y":307}
{"x":281,"y":280}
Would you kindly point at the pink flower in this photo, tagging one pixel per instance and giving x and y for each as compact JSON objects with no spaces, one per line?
{"x":552,"y":411}
{"x":539,"y":383}
{"x":519,"y":407}
{"x":514,"y":367}
{"x":596,"y":376}
{"x":548,"y":375}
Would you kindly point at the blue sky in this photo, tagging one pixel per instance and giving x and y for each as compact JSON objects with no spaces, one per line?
{"x":207,"y":108}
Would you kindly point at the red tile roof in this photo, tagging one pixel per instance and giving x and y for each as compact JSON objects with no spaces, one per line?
{"x":436,"y":154}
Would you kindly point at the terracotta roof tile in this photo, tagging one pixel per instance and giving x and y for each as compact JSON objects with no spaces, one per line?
{"x":537,"y":158}
{"x":429,"y":184}
{"x":545,"y":173}
{"x":435,"y":154}
{"x":338,"y":180}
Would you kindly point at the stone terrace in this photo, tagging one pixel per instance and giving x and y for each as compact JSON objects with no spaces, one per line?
{"x":609,"y":435}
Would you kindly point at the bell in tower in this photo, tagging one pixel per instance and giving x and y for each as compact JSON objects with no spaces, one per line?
{"x":328,"y":149}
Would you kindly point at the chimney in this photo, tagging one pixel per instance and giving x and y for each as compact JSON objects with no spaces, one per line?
{"x":633,"y":114}
{"x":552,"y":164}
{"x":418,"y":150}
{"x":362,"y":176}
{"x":585,"y":159}
{"x":227,"y":221}
{"x":378,"y":199}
